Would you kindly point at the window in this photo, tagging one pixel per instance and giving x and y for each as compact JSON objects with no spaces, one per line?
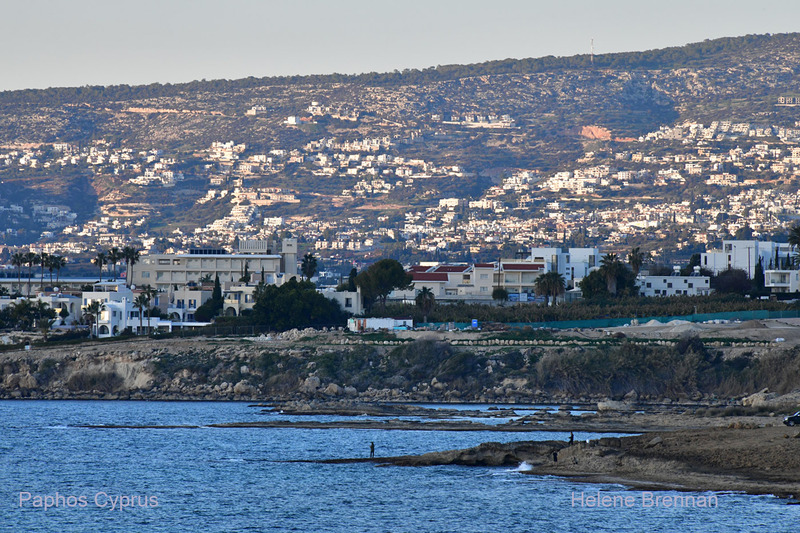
{"x":484,"y":276}
{"x":163,"y":261}
{"x":484,"y":289}
{"x":691,"y":285}
{"x":145,"y":274}
{"x":192,"y":304}
{"x":649,"y":285}
{"x":348,"y":302}
{"x":669,"y":285}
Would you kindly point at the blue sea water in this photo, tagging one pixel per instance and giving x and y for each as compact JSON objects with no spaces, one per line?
{"x":237,"y":479}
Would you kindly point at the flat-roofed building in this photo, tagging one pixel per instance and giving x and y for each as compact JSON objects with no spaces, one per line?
{"x":171,"y":272}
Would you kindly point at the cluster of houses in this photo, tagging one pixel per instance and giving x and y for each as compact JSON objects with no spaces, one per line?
{"x":181,"y":283}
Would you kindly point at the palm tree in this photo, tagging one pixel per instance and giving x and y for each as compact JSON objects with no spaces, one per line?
{"x":31,"y":259}
{"x":100,"y":260}
{"x":794,"y":236}
{"x":309,"y":266}
{"x":425,"y":301}
{"x":92,"y":311}
{"x":611,"y":267}
{"x":113,"y":257}
{"x":43,"y":263}
{"x":18,"y":260}
{"x":151,"y":294}
{"x":636,"y":259}
{"x":141,"y":303}
{"x":550,"y":284}
{"x":131,"y":257}
{"x":59,"y":262}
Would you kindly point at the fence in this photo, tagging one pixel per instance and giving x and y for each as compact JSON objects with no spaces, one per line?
{"x":617,"y":322}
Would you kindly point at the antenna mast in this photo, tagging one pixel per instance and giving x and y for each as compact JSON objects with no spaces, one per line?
{"x":591,"y":57}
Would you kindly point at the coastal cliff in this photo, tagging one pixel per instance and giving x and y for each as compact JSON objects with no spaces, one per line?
{"x":421,"y":366}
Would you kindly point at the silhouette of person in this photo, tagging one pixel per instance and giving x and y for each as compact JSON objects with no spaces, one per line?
{"x":571,"y":438}
{"x":555,"y":456}
{"x":372,"y":449}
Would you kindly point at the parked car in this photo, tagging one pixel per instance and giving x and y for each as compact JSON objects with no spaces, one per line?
{"x":793,"y":419}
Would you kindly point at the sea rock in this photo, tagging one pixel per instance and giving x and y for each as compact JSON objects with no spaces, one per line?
{"x":243,"y":387}
{"x":310,"y":384}
{"x":351,"y":391}
{"x":612,"y":405}
{"x":333,"y":390}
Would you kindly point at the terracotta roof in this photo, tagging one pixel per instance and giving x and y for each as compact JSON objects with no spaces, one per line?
{"x":430,"y":276}
{"x":484,"y":265}
{"x":418,"y":268}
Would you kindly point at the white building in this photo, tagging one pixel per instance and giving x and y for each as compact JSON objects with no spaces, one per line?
{"x":572,"y":263}
{"x":117,"y":311}
{"x":780,"y":281}
{"x":745,"y":255}
{"x":675,"y":285}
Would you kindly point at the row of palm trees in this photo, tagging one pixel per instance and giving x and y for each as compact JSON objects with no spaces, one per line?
{"x":49,"y":262}
{"x":114,"y":256}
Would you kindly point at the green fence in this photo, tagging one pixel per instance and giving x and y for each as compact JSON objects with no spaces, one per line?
{"x":616,"y":322}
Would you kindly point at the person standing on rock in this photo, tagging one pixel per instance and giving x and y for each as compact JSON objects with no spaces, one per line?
{"x":555,"y":456}
{"x":571,"y":438}
{"x":371,"y":450}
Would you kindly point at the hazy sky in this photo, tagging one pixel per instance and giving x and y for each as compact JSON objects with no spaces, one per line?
{"x":48,"y":43}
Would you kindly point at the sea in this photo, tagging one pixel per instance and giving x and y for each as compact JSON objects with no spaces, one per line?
{"x":56,"y":476}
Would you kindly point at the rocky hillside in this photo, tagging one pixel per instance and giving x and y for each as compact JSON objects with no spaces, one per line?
{"x":429,"y":367}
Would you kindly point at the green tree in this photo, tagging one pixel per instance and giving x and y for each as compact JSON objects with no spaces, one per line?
{"x":425,"y":300}
{"x":500,"y":294}
{"x":308,"y":266}
{"x":550,"y":284}
{"x":758,"y":278}
{"x":381,"y":278}
{"x":295,"y":304}
{"x":636,"y":259}
{"x":610,"y":268}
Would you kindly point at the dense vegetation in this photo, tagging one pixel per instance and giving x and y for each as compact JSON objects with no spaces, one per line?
{"x":624,"y":307}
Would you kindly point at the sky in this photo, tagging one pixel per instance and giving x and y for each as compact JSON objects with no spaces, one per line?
{"x":58,"y":43}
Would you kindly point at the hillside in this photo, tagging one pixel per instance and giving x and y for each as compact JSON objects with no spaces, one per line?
{"x":547,"y":113}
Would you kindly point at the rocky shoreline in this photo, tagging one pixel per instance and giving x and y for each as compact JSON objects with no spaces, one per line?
{"x":753,"y":460}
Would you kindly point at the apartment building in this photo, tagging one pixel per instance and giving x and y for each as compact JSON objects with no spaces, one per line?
{"x":745,"y":255}
{"x":170,"y":272}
